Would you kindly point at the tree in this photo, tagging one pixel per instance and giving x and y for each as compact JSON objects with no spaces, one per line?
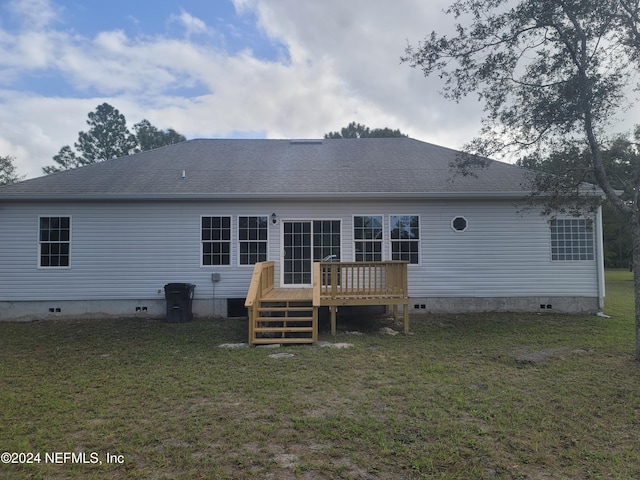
{"x":66,"y":160}
{"x":8,"y":171}
{"x":355,"y":130}
{"x":616,"y":233}
{"x":552,"y":76}
{"x":150,"y":137}
{"x":110,"y":138}
{"x":573,"y":167}
{"x":107,"y":138}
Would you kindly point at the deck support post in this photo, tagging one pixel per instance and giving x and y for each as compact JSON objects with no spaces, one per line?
{"x":333,"y":309}
{"x":314,"y":336}
{"x":405,"y":315}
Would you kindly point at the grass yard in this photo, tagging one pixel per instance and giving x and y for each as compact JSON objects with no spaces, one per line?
{"x":509,"y":396}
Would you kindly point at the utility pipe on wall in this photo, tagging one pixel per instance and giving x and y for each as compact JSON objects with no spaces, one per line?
{"x":215,"y":278}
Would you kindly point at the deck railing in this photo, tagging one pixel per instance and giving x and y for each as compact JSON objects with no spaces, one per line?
{"x":261,"y":283}
{"x":350,"y":280}
{"x":361,"y":283}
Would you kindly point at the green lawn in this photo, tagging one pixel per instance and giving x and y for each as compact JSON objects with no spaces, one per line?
{"x":513,"y":396}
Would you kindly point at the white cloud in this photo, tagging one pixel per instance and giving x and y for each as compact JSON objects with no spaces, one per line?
{"x":35,"y":14}
{"x":192,"y":25}
{"x":35,"y":128}
{"x":363,"y":42}
{"x":343,"y":65}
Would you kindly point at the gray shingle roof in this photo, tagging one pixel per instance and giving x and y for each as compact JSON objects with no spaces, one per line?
{"x":252,"y":168}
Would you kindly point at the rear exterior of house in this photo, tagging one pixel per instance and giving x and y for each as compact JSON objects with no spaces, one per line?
{"x":104,"y":240}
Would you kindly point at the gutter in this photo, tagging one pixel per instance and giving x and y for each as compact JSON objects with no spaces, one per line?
{"x":324,"y":196}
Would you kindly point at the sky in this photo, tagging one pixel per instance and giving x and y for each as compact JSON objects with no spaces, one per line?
{"x":221,"y":69}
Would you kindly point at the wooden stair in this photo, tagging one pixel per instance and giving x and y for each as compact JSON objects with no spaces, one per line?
{"x":290,"y":315}
{"x":284,"y":320}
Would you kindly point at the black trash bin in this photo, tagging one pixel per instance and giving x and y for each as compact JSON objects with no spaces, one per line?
{"x":179,"y":297}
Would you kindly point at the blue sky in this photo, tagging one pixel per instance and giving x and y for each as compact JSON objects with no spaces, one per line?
{"x":216,"y":68}
{"x":219,"y":69}
{"x":215,"y":23}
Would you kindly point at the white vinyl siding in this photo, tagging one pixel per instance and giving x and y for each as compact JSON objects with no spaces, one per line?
{"x":131,"y":250}
{"x":500,"y":254}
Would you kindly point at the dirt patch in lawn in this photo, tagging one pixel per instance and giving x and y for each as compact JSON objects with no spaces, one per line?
{"x":539,"y":356}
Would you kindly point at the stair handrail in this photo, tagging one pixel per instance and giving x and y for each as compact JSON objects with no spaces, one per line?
{"x":261,"y":282}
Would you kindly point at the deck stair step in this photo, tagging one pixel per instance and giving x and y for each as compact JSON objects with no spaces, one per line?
{"x":285,"y":309}
{"x":290,"y":329}
{"x":285,"y":320}
{"x":288,"y":320}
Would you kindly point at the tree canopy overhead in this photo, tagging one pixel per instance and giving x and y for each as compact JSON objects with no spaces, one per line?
{"x":552,"y":76}
{"x":572,"y":166}
{"x":355,"y":130}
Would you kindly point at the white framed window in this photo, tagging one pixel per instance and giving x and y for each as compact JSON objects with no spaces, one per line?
{"x":572,"y":240}
{"x":216,"y":240}
{"x":54,"y":242}
{"x":252,"y":239}
{"x":367,"y":236}
{"x":405,"y":238}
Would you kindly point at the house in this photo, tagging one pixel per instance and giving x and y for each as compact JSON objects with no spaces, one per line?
{"x":104,"y":239}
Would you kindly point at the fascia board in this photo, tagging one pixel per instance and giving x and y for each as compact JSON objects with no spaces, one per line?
{"x":329,"y":196}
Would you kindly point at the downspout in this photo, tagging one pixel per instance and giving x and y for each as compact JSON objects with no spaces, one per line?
{"x":600,"y":258}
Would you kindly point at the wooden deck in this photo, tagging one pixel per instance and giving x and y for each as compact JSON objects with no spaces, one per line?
{"x":291,"y":294}
{"x":361,"y":283}
{"x":290,"y":315}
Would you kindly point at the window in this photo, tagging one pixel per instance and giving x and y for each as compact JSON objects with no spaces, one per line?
{"x":405,"y":238}
{"x":459,"y":224}
{"x":216,"y":241}
{"x":326,"y":240}
{"x":54,"y":243}
{"x":571,"y":240}
{"x":367,"y":234}
{"x":252,"y":234}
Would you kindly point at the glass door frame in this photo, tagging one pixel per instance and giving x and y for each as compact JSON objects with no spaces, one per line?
{"x":285,"y":262}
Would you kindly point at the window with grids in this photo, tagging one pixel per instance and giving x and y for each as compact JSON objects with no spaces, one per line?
{"x":54,"y":243}
{"x":405,"y":238}
{"x":571,"y":240}
{"x":252,"y":236}
{"x":367,"y":234}
{"x":216,"y":241}
{"x":326,"y":240}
